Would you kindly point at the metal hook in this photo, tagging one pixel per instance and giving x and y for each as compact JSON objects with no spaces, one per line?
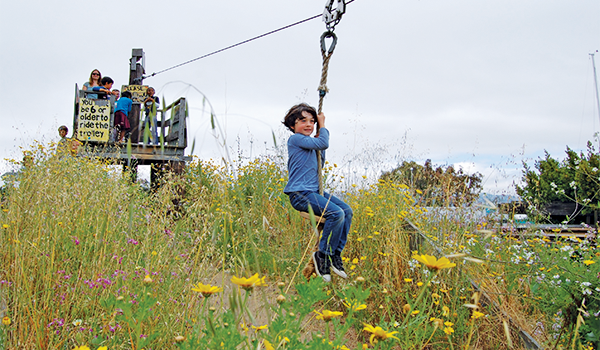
{"x":328,"y":34}
{"x":332,"y":16}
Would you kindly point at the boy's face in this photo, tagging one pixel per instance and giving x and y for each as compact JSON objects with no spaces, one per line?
{"x":305,"y":125}
{"x":150,"y":92}
{"x":62,"y":132}
{"x":108,"y":86}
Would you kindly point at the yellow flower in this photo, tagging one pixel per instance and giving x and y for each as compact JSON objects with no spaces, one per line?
{"x":206,"y":289}
{"x":147,"y":279}
{"x":328,"y":315}
{"x":416,"y":312}
{"x":260,"y":328}
{"x":248,"y":283}
{"x":589,"y":262}
{"x":354,"y":305}
{"x":244,"y":327}
{"x":445,"y":310}
{"x":268,"y":345}
{"x":433,"y":263}
{"x":408,"y":280}
{"x":284,"y":341}
{"x":6,"y":321}
{"x":103,"y":348}
{"x":4,"y":226}
{"x":378,"y":333}
{"x":477,"y":314}
{"x":83,"y":347}
{"x":341,"y":347}
{"x":448,"y":330}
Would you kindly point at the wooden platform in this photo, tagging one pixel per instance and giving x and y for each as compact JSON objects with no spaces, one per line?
{"x":143,"y":154}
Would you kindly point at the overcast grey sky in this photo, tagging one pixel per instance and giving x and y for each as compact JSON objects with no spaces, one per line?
{"x":486,"y":84}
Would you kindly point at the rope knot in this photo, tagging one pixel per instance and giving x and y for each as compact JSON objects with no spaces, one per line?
{"x":323,"y":90}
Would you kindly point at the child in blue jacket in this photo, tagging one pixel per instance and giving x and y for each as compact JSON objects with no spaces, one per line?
{"x":121,"y":111}
{"x":303,"y":188}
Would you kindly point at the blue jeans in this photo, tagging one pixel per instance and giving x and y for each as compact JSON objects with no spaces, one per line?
{"x":338,"y":217}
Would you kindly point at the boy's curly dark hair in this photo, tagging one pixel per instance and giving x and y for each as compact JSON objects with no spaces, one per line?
{"x":106,"y":80}
{"x":296,"y":113}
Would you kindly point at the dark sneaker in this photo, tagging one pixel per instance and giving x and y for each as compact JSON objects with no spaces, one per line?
{"x":322,"y":264}
{"x":337,"y":265}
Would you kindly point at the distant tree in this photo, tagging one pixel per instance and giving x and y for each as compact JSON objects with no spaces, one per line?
{"x":575,"y":180}
{"x":441,"y":185}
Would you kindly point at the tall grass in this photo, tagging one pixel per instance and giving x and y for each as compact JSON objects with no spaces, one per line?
{"x":89,"y":258}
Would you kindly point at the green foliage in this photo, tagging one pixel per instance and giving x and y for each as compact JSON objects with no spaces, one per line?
{"x":576,"y":179}
{"x":440,"y":186}
{"x":558,"y":278}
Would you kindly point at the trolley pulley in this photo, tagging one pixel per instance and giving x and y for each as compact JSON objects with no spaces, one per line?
{"x":333,"y":14}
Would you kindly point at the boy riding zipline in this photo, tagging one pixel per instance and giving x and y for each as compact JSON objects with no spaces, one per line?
{"x":303,"y":188}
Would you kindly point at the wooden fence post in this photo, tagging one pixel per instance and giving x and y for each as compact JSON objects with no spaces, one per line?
{"x":136,"y":74}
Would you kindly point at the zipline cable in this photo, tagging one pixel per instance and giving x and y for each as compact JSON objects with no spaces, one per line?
{"x":238,"y":44}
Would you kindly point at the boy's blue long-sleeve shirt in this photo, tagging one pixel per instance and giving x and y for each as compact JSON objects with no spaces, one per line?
{"x":302,"y":161}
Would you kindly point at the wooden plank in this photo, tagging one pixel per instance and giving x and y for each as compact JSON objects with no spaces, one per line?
{"x":318,"y":219}
{"x":172,"y":136}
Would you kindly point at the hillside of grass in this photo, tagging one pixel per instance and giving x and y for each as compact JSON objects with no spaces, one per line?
{"x":213,"y":259}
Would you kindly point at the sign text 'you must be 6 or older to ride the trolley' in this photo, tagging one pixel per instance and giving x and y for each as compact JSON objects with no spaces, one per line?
{"x":93,"y":122}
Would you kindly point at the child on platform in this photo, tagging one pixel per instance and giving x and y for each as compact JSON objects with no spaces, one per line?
{"x":121,"y":111}
{"x":303,"y":188}
{"x":106,"y":84}
{"x":151,"y":103}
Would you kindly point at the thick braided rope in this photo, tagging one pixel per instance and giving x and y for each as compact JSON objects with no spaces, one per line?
{"x":323,"y":83}
{"x":322,"y":91}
